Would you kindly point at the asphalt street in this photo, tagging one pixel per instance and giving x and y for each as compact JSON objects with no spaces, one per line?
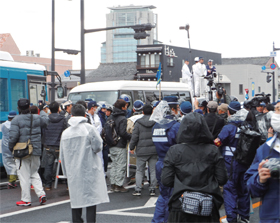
{"x":123,"y":207}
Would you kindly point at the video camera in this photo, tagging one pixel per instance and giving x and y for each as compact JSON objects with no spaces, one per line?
{"x":210,"y":78}
{"x":273,"y":164}
{"x":255,"y":102}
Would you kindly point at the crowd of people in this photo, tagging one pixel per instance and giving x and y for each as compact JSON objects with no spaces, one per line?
{"x":189,"y":151}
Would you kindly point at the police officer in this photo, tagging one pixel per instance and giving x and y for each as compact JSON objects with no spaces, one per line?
{"x":164,"y":136}
{"x":127,"y":99}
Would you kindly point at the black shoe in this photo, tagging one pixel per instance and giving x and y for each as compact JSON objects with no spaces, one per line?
{"x":152,"y":192}
{"x":12,"y":185}
{"x":136,"y":193}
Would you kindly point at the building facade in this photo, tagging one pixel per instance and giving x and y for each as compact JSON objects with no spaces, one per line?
{"x":171,"y":58}
{"x":120,"y":45}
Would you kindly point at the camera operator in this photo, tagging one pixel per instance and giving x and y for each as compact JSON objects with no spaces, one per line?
{"x":261,"y":107}
{"x":221,"y":96}
{"x":261,"y":181}
{"x":210,"y":68}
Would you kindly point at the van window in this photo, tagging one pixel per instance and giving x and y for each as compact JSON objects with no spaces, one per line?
{"x":139,"y":95}
{"x":170,"y":93}
{"x":186,"y":96}
{"x":109,"y":96}
{"x":151,"y":96}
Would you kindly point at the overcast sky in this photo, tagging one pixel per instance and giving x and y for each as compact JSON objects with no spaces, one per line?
{"x":237,"y":28}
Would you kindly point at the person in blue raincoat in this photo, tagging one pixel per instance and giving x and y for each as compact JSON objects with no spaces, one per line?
{"x":8,"y":158}
{"x":258,"y":178}
{"x":164,"y":136}
{"x":236,"y":195}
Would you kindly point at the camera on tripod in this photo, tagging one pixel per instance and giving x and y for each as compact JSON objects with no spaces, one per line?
{"x":210,"y":78}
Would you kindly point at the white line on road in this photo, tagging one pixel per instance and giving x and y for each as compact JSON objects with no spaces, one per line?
{"x":151,"y":202}
{"x":33,"y":209}
{"x":46,"y":206}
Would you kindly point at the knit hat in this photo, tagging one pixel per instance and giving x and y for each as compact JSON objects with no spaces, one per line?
{"x":223,"y":107}
{"x":234,"y":106}
{"x":171,"y":100}
{"x":23,"y":103}
{"x":138,"y":105}
{"x":12,"y":114}
{"x":186,"y":107}
{"x":212,"y":104}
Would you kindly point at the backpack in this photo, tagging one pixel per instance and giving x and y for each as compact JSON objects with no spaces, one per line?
{"x":247,"y":145}
{"x":109,"y":133}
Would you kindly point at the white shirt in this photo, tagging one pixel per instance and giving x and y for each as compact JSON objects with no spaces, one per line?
{"x":186,"y":74}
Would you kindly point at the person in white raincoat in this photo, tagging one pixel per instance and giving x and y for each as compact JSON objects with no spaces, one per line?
{"x":79,"y":146}
{"x":186,"y":74}
{"x":199,"y":70}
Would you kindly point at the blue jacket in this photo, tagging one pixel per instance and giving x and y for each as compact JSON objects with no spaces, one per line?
{"x":164,"y":136}
{"x":228,"y":137}
{"x":268,"y":192}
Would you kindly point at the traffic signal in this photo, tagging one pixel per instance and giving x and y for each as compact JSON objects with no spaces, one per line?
{"x":140,"y":30}
{"x":268,"y":78}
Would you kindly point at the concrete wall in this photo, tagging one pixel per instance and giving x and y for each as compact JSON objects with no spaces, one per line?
{"x":245,"y":74}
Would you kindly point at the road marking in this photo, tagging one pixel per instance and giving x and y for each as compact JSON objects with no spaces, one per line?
{"x":33,"y":209}
{"x":151,"y":202}
{"x":121,"y":212}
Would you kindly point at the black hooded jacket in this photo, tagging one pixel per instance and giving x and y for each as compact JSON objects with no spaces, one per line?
{"x":194,"y":164}
{"x":118,"y":116}
{"x":142,"y":137}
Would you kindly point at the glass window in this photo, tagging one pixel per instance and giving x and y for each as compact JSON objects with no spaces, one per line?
{"x":259,"y":89}
{"x":151,"y":96}
{"x":4,"y":104}
{"x":109,"y":96}
{"x":18,"y":91}
{"x":139,"y":95}
{"x":35,"y":93}
{"x":241,"y":89}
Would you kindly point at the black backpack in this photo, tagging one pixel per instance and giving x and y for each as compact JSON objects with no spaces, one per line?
{"x":248,"y":143}
{"x":109,"y":133}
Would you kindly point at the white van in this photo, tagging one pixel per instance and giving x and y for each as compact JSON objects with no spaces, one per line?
{"x":145,"y":91}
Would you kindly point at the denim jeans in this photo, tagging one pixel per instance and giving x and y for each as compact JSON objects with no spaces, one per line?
{"x":50,"y":155}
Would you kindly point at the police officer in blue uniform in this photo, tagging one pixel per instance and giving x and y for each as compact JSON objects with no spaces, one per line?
{"x":164,"y":136}
{"x":127,"y":99}
{"x":236,"y":195}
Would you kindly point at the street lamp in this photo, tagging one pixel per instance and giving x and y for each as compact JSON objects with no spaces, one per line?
{"x":68,"y":51}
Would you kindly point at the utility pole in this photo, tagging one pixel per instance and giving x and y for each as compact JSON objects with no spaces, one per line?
{"x":273,"y":73}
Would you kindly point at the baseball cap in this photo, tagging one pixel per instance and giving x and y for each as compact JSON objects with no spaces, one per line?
{"x":171,"y":100}
{"x":67,"y":103}
{"x":12,"y":114}
{"x":196,"y":59}
{"x":223,"y":107}
{"x":210,"y":60}
{"x":92,"y":104}
{"x":212,"y":104}
{"x":234,"y":105}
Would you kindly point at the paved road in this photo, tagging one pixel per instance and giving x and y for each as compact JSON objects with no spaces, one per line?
{"x":123,"y":207}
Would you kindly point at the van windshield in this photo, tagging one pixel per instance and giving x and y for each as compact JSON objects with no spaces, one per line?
{"x":110,"y":97}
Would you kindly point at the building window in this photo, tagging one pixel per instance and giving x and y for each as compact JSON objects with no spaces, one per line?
{"x":170,"y":62}
{"x":149,"y":60}
{"x":4,"y":106}
{"x":241,"y":89}
{"x":259,"y":89}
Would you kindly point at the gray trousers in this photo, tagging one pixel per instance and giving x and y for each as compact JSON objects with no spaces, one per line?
{"x":140,"y":169}
{"x":118,"y":166}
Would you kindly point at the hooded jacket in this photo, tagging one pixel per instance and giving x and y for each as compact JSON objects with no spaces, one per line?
{"x":52,"y":133}
{"x":194,"y":163}
{"x":118,"y":116}
{"x":142,"y":137}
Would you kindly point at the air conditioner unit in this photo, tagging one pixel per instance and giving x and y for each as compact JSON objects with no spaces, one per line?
{"x":37,"y":54}
{"x":30,"y":53}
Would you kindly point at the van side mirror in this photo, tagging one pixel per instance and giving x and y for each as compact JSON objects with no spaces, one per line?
{"x":60,"y":92}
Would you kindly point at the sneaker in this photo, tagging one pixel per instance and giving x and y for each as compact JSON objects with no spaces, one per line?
{"x":43,"y":199}
{"x":22,"y":203}
{"x":224,"y":220}
{"x":12,"y":185}
{"x":136,"y":193}
{"x":112,"y":187}
{"x":242,"y":220}
{"x":120,"y":189}
{"x":31,"y":187}
{"x":48,"y":188}
{"x":152,"y":192}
